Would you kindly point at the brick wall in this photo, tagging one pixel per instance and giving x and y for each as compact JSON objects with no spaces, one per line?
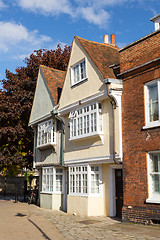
{"x":137,"y":141}
{"x":143,"y":215}
{"x":11,"y":185}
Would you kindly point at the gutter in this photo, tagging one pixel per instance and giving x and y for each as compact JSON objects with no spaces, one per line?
{"x":138,"y":67}
{"x":113,"y":102}
{"x":55,"y":113}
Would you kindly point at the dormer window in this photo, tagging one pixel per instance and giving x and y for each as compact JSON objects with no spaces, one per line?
{"x":46,"y":133}
{"x":78,"y":72}
{"x":156,"y":21}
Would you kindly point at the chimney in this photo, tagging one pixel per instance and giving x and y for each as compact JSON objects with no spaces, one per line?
{"x":106,"y":39}
{"x":156,"y":21}
{"x":113,"y":39}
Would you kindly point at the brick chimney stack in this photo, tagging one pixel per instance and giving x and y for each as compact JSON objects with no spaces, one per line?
{"x":113,"y":39}
{"x":106,"y":39}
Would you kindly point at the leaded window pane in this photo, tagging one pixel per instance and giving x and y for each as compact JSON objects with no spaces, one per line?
{"x":86,"y":121}
{"x":46,"y":133}
{"x":76,"y":74}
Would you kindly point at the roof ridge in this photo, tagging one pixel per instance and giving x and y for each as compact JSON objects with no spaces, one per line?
{"x":103,"y":44}
{"x":52,"y":68}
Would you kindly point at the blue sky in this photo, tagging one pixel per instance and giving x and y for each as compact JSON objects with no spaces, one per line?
{"x":28,"y":25}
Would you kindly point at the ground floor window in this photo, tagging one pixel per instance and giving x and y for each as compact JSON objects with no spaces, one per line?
{"x":47,"y":179}
{"x":85,"y":180}
{"x":95,"y":179}
{"x":78,"y":179}
{"x":59,"y":179}
{"x":154,"y":176}
{"x":52,"y":179}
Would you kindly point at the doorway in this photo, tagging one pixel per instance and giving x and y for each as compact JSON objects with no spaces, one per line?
{"x":119,"y":192}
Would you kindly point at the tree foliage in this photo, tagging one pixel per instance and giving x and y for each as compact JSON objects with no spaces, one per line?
{"x":16,"y":97}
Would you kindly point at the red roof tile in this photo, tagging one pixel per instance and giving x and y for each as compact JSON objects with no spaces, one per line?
{"x":103,"y":55}
{"x":55,"y":79}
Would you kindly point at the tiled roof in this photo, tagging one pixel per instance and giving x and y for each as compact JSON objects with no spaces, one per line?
{"x":102,"y":54}
{"x":55,"y":79}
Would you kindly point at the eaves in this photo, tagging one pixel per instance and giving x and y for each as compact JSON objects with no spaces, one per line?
{"x":140,"y":68}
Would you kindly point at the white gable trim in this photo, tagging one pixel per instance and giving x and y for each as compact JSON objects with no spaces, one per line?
{"x":81,"y":102}
{"x":44,"y":118}
{"x":43,"y":102}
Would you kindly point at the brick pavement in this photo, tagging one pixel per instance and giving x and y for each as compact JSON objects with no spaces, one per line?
{"x":57,"y":225}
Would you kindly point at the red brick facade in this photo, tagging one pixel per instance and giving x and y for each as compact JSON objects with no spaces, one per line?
{"x":139,"y":64}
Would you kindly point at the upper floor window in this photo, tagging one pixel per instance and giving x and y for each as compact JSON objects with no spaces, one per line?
{"x":86,"y":121}
{"x":152,"y":102}
{"x":78,"y":72}
{"x":46,"y":133}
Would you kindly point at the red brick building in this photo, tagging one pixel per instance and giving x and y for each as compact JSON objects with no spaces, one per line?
{"x":140,"y":71}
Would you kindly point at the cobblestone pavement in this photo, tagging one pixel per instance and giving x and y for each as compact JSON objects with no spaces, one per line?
{"x":99,"y":228}
{"x":69,"y":227}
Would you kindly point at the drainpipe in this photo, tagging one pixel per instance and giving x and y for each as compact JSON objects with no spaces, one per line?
{"x":55,"y":113}
{"x":113,"y":103}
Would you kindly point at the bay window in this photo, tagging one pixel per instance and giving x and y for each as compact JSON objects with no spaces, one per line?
{"x":59,"y":179}
{"x":86,"y":121}
{"x":52,"y":179}
{"x":47,"y":179}
{"x":78,"y":179}
{"x":46,"y":133}
{"x":85,"y":180}
{"x":94,"y":179}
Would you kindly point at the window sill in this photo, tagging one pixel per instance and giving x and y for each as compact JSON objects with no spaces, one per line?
{"x":51,"y":193}
{"x":43,"y":192}
{"x":78,"y":83}
{"x":153,"y":200}
{"x":152,"y":125}
{"x":91,"y":135}
{"x":46,"y":145}
{"x":85,"y":195}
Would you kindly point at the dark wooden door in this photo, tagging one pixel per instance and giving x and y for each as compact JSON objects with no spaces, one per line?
{"x":119,"y":192}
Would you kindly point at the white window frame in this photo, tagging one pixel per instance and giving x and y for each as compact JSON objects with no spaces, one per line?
{"x":49,"y":131}
{"x":95,"y":182}
{"x":152,"y":197}
{"x":46,"y":173}
{"x":150,"y":124}
{"x":77,"y":172}
{"x":79,"y":68}
{"x":86,"y":121}
{"x":59,"y":173}
{"x":53,"y":188}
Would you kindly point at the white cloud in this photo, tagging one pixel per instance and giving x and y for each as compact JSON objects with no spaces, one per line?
{"x":94,"y":11}
{"x":16,"y":35}
{"x":2,"y":4}
{"x":53,"y":7}
{"x":76,"y":9}
{"x":100,"y":17}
